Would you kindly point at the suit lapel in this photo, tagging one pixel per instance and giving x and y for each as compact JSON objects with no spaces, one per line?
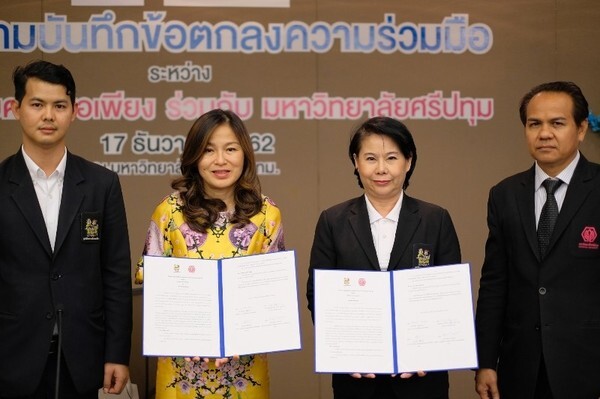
{"x":359,"y":222}
{"x":26,"y":200}
{"x":408,"y":222}
{"x":579,"y":188}
{"x":525,"y":196}
{"x":71,"y":200}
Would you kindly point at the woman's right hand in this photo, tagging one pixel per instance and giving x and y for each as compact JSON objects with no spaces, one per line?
{"x":359,"y":375}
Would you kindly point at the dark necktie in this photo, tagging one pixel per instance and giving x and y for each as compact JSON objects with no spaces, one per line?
{"x":548,"y":215}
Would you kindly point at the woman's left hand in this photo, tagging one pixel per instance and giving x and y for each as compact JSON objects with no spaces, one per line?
{"x":408,"y":375}
{"x":220,"y":361}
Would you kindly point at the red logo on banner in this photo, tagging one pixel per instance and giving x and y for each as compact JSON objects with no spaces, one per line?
{"x":589,"y":236}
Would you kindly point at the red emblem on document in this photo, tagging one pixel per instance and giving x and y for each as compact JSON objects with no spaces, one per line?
{"x":589,"y":235}
{"x":191,"y":268}
{"x":362,"y":282}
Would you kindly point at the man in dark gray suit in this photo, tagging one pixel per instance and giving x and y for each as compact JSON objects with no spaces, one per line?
{"x":65,"y":285}
{"x":538,"y":311}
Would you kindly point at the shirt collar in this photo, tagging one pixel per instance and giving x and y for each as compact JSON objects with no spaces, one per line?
{"x":36,"y":172}
{"x":394,"y":214}
{"x":565,"y":175}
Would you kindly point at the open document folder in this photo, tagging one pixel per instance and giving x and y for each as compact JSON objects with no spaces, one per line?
{"x":219,"y":308}
{"x":393,"y":322}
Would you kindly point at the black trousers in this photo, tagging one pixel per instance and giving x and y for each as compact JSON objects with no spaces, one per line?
{"x":542,"y":387}
{"x":67,"y":390}
{"x":384,"y":391}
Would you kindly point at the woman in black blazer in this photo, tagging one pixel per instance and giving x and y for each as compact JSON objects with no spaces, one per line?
{"x":384,"y":229}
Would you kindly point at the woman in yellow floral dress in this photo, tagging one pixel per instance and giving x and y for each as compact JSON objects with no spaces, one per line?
{"x":217,"y":211}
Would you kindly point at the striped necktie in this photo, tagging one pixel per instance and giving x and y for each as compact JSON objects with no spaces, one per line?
{"x":548,"y":216}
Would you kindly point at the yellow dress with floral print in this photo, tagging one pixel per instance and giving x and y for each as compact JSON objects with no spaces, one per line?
{"x":170,"y":235}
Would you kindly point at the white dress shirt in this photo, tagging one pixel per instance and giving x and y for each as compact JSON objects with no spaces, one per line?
{"x":49,"y":192}
{"x":540,"y":192}
{"x":383,"y":230}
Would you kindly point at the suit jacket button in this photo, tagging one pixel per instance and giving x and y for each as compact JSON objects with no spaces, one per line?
{"x":542,"y":291}
{"x":49,"y":315}
{"x":56,"y":276}
{"x":537,"y":327}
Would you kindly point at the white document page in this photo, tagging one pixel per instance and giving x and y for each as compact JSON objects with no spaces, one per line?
{"x":353,"y":322}
{"x":181,"y":307}
{"x":434,"y":318}
{"x":260,"y":303}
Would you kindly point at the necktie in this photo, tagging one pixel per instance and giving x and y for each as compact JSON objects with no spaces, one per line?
{"x":548,"y":215}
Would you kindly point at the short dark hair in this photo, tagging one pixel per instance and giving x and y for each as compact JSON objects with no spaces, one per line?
{"x":44,"y":71}
{"x":389,"y":127}
{"x":580,"y":104}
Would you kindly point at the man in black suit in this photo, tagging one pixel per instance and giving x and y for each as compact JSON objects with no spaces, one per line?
{"x":538,"y":311}
{"x":384,"y":229}
{"x":65,"y":286}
